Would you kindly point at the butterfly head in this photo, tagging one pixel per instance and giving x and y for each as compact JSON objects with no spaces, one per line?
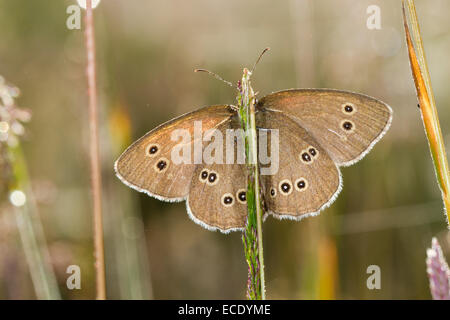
{"x":245,"y":91}
{"x":245,"y":80}
{"x":245,"y":94}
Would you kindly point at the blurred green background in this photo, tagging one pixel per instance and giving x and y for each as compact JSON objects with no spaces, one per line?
{"x":388,"y":211}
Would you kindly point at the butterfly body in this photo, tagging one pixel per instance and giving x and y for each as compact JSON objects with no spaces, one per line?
{"x":318,"y":130}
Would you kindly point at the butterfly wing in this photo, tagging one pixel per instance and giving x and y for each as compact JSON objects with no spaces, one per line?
{"x":307,"y":179}
{"x":220,"y":204}
{"x":147,"y":164}
{"x":347,"y":125}
{"x":217,"y":196}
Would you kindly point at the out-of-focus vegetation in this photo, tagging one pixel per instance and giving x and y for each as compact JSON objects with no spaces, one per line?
{"x":387,"y":213}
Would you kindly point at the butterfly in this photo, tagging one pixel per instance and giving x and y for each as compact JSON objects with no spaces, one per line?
{"x":319,"y":130}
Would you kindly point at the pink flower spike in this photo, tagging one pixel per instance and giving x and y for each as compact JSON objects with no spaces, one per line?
{"x":438,"y":272}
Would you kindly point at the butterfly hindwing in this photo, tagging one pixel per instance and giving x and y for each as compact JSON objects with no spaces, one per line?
{"x":307,"y":179}
{"x":217,"y":196}
{"x":346,"y":124}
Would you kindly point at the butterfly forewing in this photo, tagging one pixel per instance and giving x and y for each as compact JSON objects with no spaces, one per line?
{"x":147,"y":164}
{"x":345,"y":124}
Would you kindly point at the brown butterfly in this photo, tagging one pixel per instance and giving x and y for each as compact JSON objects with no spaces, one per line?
{"x":319,"y":130}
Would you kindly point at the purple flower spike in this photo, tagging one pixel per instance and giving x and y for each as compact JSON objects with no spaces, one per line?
{"x":438,"y":272}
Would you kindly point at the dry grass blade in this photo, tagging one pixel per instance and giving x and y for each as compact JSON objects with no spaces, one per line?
{"x":96,"y":182}
{"x":426,"y":101}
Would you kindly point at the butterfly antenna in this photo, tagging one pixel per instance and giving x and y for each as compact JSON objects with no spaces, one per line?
{"x":259,"y":58}
{"x":215,"y":76}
